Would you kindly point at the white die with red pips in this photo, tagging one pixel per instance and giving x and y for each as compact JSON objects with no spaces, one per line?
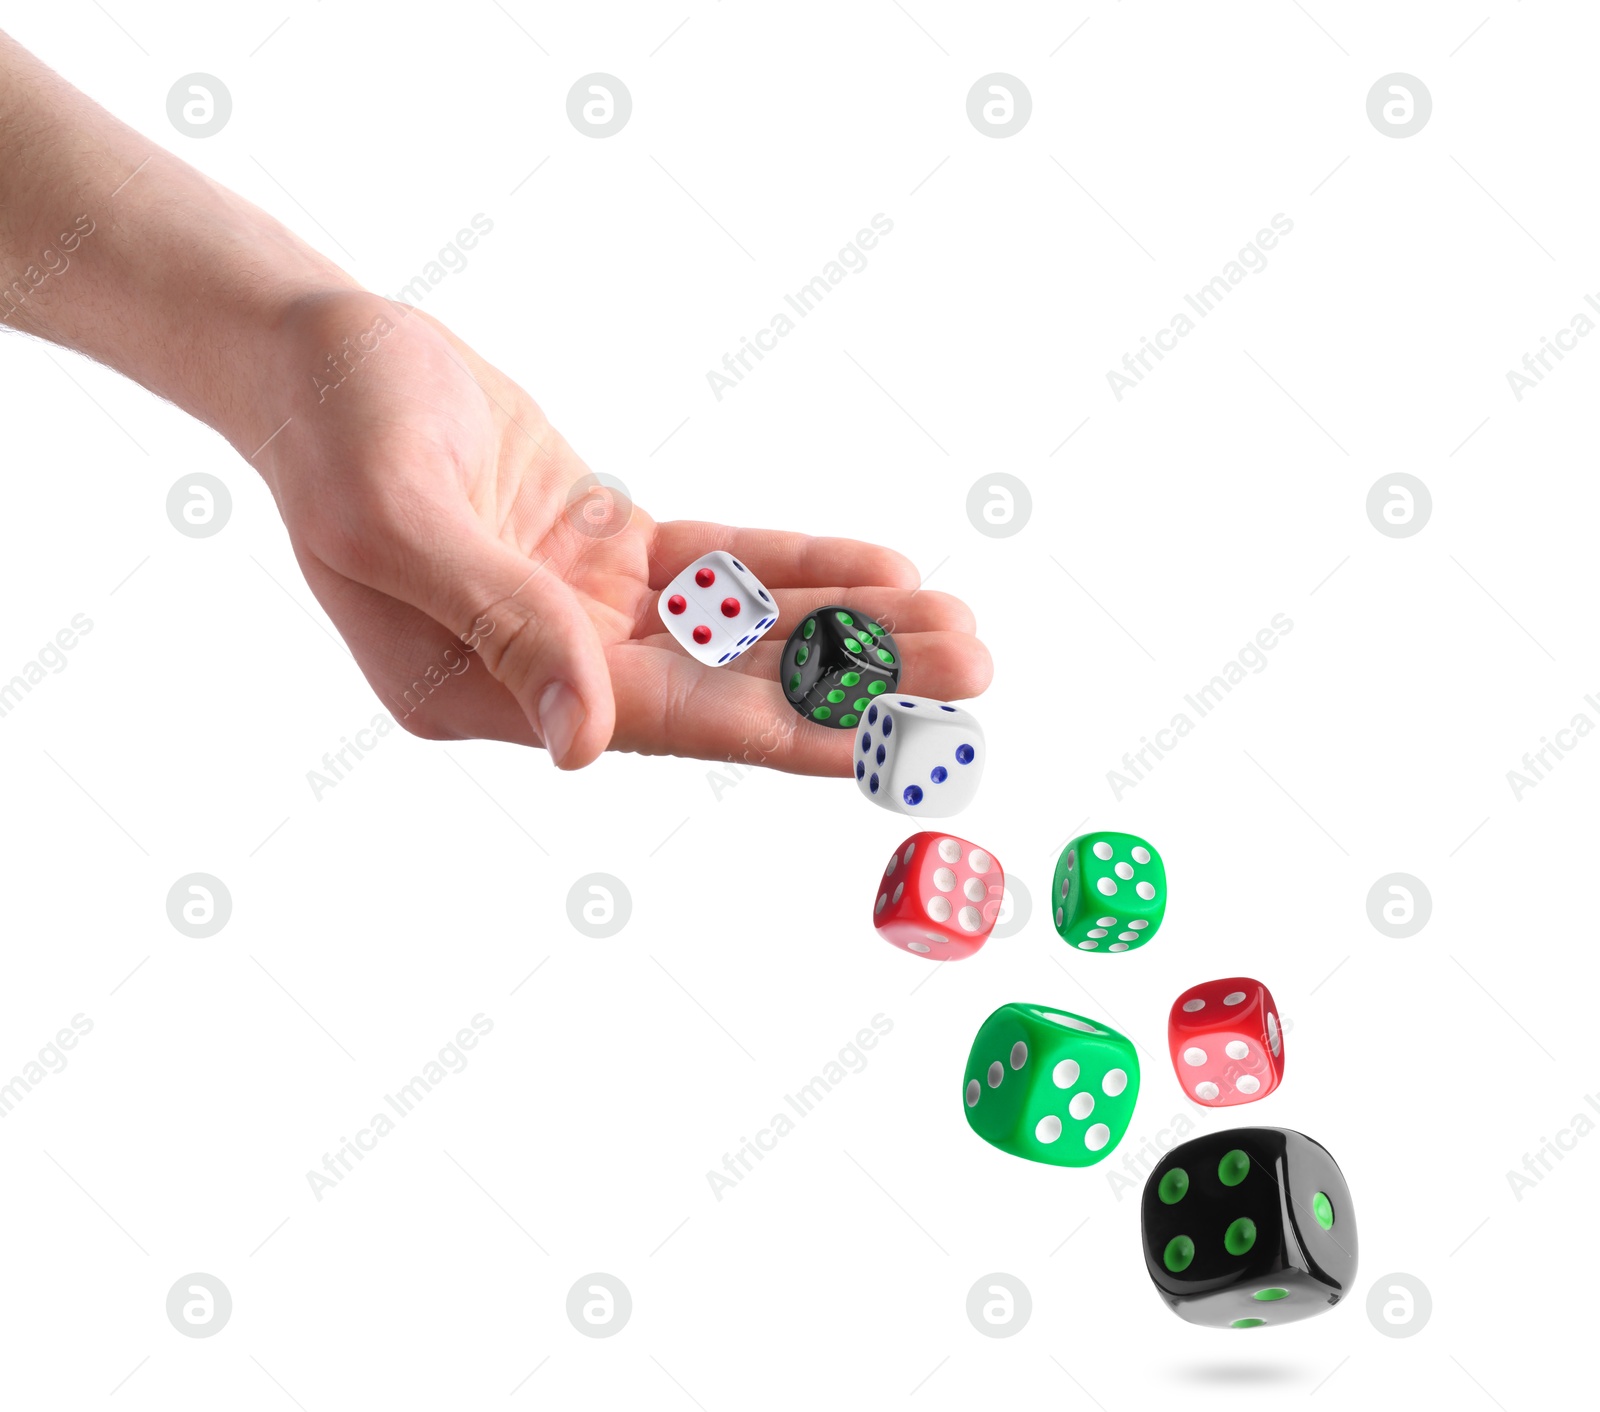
{"x":717,"y":609}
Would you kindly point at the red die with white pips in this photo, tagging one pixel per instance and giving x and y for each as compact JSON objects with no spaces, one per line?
{"x":717,"y":609}
{"x":939,"y":897}
{"x":1226,"y":1043}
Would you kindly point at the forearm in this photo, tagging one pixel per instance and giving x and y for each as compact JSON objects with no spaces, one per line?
{"x":112,"y":246}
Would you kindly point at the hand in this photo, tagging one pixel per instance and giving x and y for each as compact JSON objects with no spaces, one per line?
{"x":426,"y":497}
{"x":429,"y":503}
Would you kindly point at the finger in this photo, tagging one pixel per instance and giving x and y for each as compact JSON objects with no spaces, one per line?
{"x":902,"y":612}
{"x":543,"y":646}
{"x":899,"y":610}
{"x":779,"y":558}
{"x":528,"y":627}
{"x":421,"y":672}
{"x":947,"y":666}
{"x":395,"y":518}
{"x":669,"y":704}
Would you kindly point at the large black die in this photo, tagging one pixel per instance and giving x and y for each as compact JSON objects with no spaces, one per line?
{"x":836,"y":663}
{"x":1248,"y":1227}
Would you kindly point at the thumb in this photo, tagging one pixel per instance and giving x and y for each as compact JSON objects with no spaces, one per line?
{"x":530,"y":631}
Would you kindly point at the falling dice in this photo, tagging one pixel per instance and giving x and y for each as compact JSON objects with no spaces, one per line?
{"x":1225,"y":1040}
{"x":836,"y":664}
{"x":716,"y":608}
{"x":1248,"y":1227}
{"x":917,"y":756}
{"x":1110,"y":892}
{"x":1050,"y":1086}
{"x":939,"y":897}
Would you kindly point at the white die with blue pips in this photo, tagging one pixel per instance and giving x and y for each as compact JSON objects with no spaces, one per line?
{"x":919,"y":757}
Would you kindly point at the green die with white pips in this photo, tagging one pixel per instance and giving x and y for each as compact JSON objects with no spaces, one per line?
{"x":1249,"y":1227}
{"x":836,"y":664}
{"x":1050,"y":1086}
{"x":1109,"y":893}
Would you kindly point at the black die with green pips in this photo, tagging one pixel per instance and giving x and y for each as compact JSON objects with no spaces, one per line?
{"x":1248,"y":1228}
{"x":836,"y":663}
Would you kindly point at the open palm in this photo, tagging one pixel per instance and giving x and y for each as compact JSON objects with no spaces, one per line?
{"x":430,"y":504}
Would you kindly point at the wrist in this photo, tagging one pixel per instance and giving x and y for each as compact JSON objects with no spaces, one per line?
{"x":242,"y":361}
{"x":206,"y":301}
{"x":192,"y":306}
{"x":113,"y":247}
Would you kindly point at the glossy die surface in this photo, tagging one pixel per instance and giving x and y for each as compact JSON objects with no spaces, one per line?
{"x":1225,"y":1041}
{"x":918,"y":756}
{"x":1049,"y":1085}
{"x":836,"y":664}
{"x":1109,"y":892}
{"x":939,"y":897}
{"x":716,"y":608}
{"x":1249,"y":1227}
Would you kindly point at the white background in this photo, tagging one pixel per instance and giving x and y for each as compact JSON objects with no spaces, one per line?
{"x":1165,"y":533}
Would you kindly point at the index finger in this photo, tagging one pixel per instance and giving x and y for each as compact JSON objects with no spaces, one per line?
{"x":779,"y":558}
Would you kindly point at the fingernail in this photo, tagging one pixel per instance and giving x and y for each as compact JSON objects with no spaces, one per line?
{"x":561,"y":717}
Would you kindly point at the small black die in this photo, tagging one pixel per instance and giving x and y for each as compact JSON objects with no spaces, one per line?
{"x":836,"y":663}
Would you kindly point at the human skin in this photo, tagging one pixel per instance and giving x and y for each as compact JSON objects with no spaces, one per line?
{"x":425,"y":494}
